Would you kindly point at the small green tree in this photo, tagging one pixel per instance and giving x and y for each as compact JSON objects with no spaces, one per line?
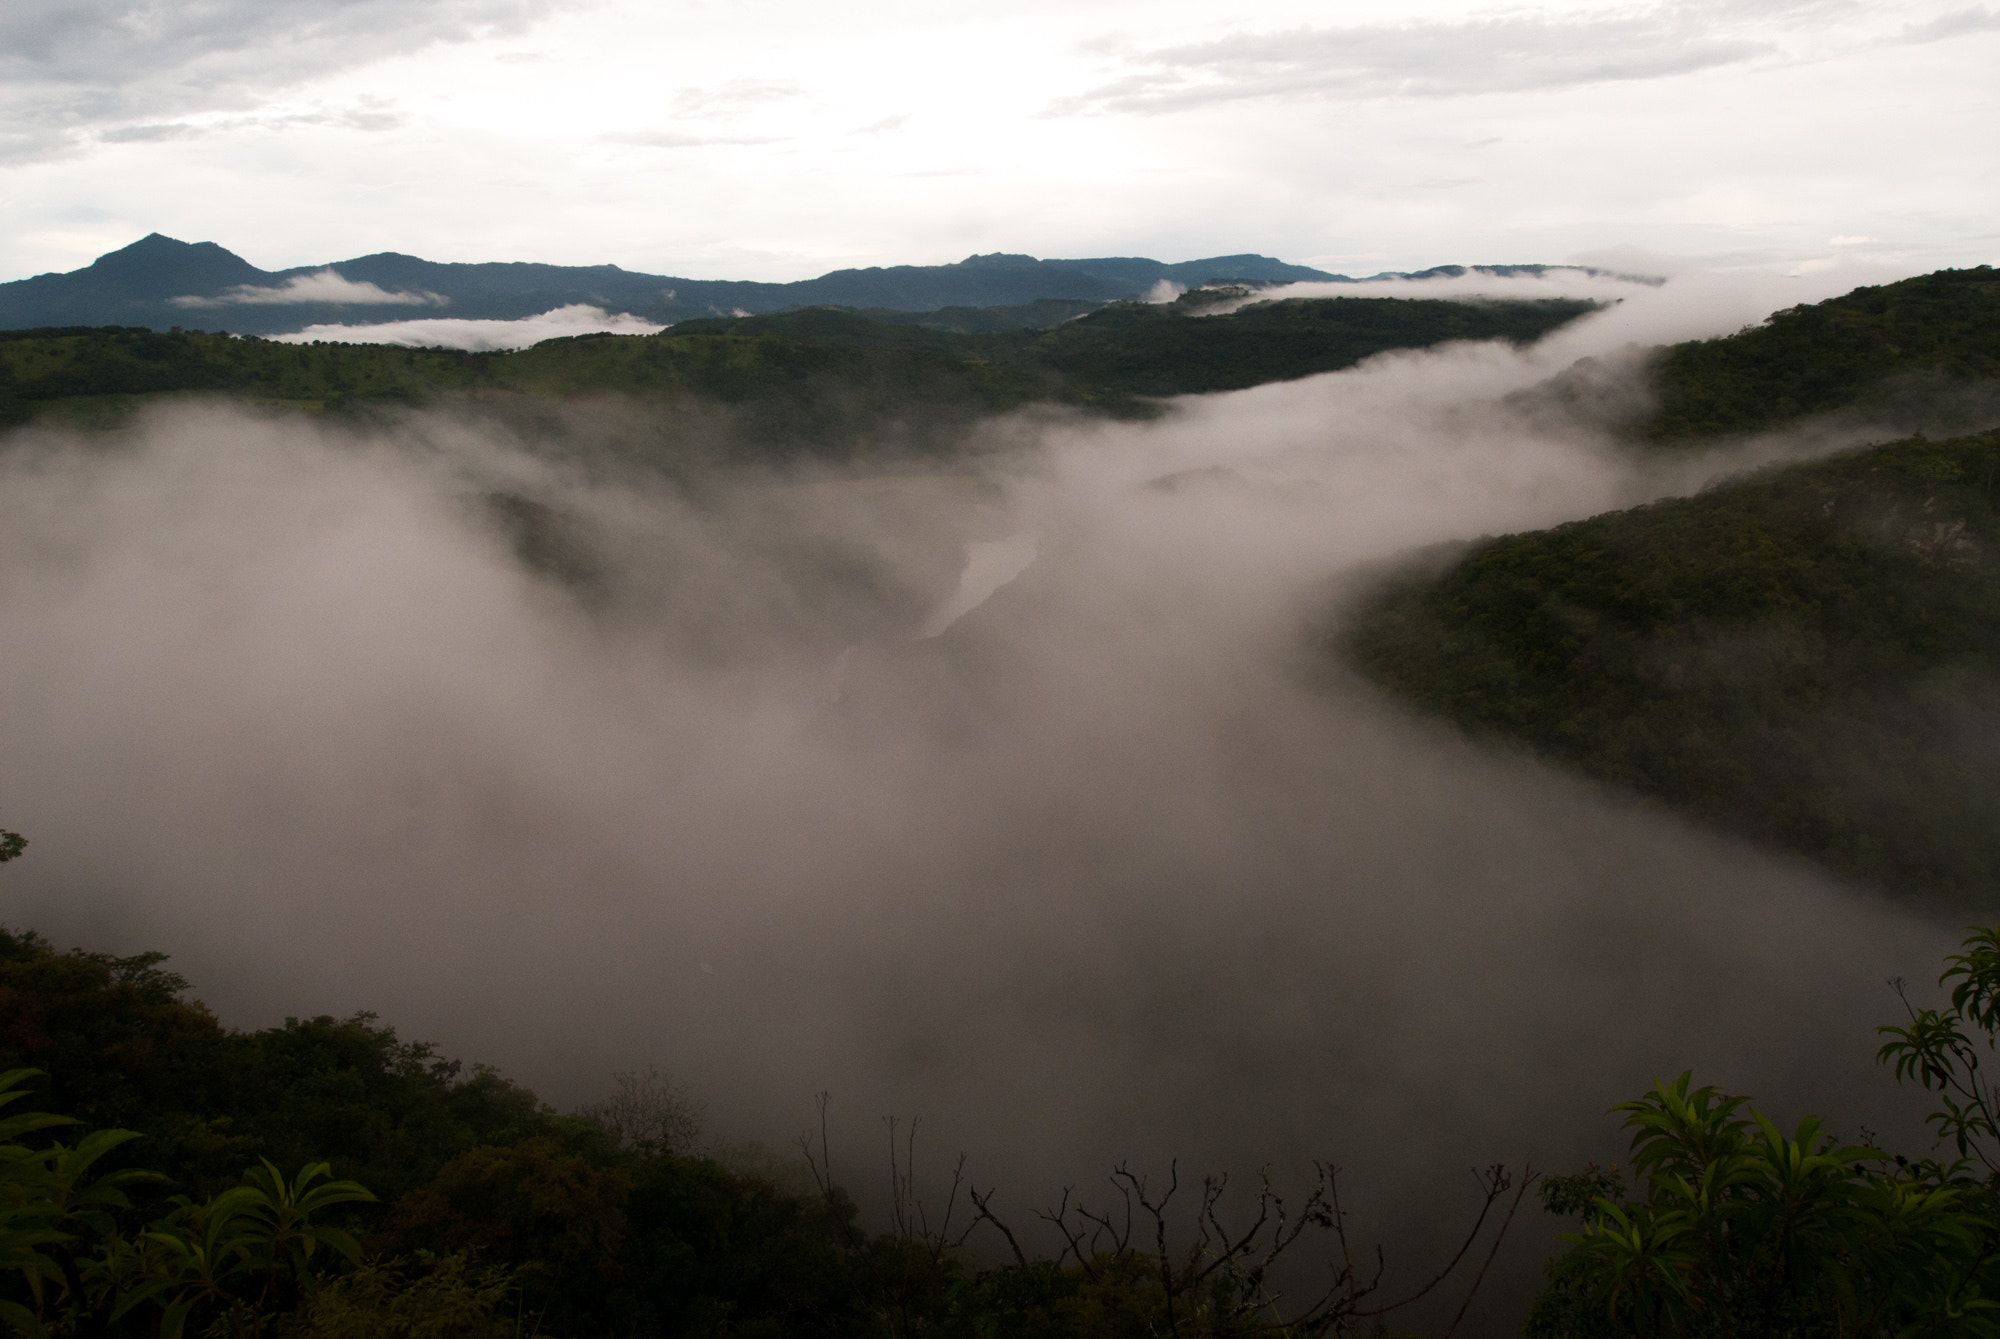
{"x":1939,"y":1050}
{"x":250,"y":1253}
{"x":1732,"y":1226}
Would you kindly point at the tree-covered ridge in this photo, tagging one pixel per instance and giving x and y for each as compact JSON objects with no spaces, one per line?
{"x":821,"y":375}
{"x":770,"y":394}
{"x":1888,"y":343}
{"x":456,"y":1206}
{"x":1160,"y":349}
{"x":502,"y":1218}
{"x":1810,"y":656}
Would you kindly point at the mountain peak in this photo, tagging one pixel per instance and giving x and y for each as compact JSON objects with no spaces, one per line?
{"x":998,"y":260}
{"x":157,"y":267}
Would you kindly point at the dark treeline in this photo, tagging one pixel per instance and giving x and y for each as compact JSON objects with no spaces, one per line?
{"x":1173,"y":348}
{"x":1810,"y":656}
{"x":819,"y":379}
{"x":1894,"y":348}
{"x":390,"y":1192}
{"x":163,"y":1175}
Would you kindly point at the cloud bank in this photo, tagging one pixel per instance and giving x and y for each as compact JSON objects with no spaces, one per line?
{"x":322,"y":286}
{"x":1506,"y":53}
{"x":70,"y":68}
{"x":1499,"y":51}
{"x":455,"y":333}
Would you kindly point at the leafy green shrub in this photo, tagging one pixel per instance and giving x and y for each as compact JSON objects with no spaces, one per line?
{"x":1733,"y":1226}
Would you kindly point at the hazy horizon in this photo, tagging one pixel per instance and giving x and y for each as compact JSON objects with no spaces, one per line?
{"x":1108,"y":864}
{"x":1016,"y":787}
{"x":776,"y":141}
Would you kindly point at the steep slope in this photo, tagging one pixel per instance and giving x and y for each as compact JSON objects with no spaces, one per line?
{"x":1129,"y":349}
{"x":124,"y":286}
{"x":1923,"y":346}
{"x":1810,"y":656}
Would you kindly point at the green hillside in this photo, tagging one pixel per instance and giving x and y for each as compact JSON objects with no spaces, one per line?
{"x":1910,"y":346}
{"x":819,"y":378}
{"x":1810,"y":656}
{"x":133,"y":1122}
{"x":1130,"y":349}
{"x":1174,"y":350}
{"x":776,"y":392}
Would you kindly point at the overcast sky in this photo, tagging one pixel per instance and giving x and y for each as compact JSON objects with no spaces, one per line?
{"x":777,"y":139}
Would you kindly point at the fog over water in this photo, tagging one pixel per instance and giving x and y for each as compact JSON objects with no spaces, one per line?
{"x":1117,"y":864}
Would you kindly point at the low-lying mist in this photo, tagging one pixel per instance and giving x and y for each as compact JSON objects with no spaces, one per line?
{"x":572,"y":769}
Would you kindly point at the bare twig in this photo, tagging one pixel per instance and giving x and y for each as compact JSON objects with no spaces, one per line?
{"x":984,"y":1205}
{"x":1528,"y":1177}
{"x":1496,"y":1182}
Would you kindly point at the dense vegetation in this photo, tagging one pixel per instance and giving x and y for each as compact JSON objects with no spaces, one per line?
{"x":455,"y":1206}
{"x":771,"y":392}
{"x":1901,"y":349}
{"x":1156,"y":349}
{"x":1731,"y":1226}
{"x":1810,"y":656}
{"x":823,"y":378}
{"x":161,"y":1174}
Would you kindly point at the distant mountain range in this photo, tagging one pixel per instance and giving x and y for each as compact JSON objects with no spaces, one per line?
{"x":160,"y":283}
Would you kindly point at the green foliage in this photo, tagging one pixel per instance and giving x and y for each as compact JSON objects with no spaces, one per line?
{"x":1871,"y":348}
{"x":1939,"y":1049}
{"x":775,"y":392}
{"x":1172,"y":349}
{"x":1735,"y":1227}
{"x":1810,"y":656}
{"x":248,"y":1253}
{"x":1125,"y":350}
{"x":534,"y":1205}
{"x":125,"y":1049}
{"x":819,"y":379}
{"x":78,"y":1257}
{"x":418,"y":1297}
{"x":503,"y":1217}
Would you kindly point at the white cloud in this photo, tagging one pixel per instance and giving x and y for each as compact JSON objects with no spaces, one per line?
{"x":1555,"y":282}
{"x":455,"y":333}
{"x":718,"y":141}
{"x":886,"y":124}
{"x":667,"y":139}
{"x":322,"y":286}
{"x":735,"y":97}
{"x":71,"y":70}
{"x":1959,"y":23}
{"x":1508,"y":52}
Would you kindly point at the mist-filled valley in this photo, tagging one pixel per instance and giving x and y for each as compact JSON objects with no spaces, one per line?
{"x":1013,"y":786}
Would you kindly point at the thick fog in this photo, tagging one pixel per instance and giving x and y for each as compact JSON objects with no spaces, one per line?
{"x":460,"y":332}
{"x":1016,"y":791}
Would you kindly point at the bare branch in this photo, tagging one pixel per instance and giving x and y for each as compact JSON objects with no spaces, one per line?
{"x":984,"y":1205}
{"x":1496,"y":1183}
{"x":1528,"y":1177}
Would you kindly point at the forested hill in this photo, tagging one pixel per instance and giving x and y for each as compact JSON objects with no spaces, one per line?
{"x":1809,"y":656}
{"x":159,"y":282}
{"x":1156,"y":349}
{"x":816,"y":379}
{"x":1923,"y":347}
